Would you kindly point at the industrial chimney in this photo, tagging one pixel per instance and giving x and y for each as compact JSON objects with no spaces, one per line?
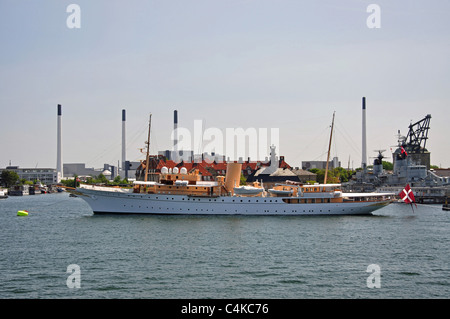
{"x":123,"y":141}
{"x":364,"y":145}
{"x":175,"y":140}
{"x":59,"y":165}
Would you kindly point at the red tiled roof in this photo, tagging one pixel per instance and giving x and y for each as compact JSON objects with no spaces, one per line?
{"x":221,"y":166}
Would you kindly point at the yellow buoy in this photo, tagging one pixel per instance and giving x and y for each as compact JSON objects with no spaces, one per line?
{"x":22,"y":213}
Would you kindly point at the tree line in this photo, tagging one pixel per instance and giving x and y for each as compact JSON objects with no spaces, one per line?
{"x":341,"y":175}
{"x":100,"y":179}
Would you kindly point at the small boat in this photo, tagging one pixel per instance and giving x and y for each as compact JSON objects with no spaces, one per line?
{"x":22,"y":213}
{"x":281,"y":192}
{"x":247,"y":190}
{"x":446,"y":206}
{"x":3,"y":195}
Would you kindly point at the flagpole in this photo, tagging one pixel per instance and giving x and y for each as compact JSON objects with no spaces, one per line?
{"x":408,"y":196}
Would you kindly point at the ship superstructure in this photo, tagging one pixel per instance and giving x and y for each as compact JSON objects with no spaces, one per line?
{"x":411,"y":165}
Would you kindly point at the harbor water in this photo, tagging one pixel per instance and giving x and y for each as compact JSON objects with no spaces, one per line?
{"x":400,"y":252}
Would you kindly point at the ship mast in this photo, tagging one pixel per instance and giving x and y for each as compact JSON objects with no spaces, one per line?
{"x":329,"y":149}
{"x":147,"y":160}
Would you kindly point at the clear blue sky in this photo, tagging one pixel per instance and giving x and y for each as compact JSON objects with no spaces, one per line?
{"x":247,"y":63}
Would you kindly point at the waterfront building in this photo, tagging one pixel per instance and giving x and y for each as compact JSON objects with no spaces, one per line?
{"x":47,"y":176}
{"x":109,"y":171}
{"x":321,"y":164}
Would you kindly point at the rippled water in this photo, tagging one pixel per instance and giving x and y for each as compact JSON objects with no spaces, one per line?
{"x":141,"y":256}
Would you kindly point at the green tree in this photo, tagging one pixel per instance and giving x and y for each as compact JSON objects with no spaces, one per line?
{"x":335,"y":175}
{"x":340,"y":174}
{"x":71,"y":182}
{"x":387,"y":166}
{"x":320,"y":174}
{"x":117,"y":180}
{"x":102,"y":179}
{"x":24,"y":181}
{"x":9,"y":178}
{"x":243,"y":180}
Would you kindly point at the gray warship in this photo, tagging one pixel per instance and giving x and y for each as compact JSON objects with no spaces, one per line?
{"x":411,"y":165}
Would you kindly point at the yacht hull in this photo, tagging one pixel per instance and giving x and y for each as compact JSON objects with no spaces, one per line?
{"x":109,"y":202}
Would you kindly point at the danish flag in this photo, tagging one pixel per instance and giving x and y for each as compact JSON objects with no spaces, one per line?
{"x":404,"y":152}
{"x":407,"y":195}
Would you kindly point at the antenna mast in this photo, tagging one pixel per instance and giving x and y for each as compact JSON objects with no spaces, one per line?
{"x":147,"y":160}
{"x":329,"y":149}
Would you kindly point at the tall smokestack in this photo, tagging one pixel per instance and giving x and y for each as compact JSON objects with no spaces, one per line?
{"x":175,"y":141}
{"x":59,"y":166}
{"x":364,"y":145}
{"x":123,"y":140}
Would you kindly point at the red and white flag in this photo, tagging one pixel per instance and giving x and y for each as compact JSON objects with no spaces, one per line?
{"x":404,"y":152}
{"x":407,"y":195}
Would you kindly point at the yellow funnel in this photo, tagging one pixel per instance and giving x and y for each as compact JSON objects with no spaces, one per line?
{"x":233,"y":176}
